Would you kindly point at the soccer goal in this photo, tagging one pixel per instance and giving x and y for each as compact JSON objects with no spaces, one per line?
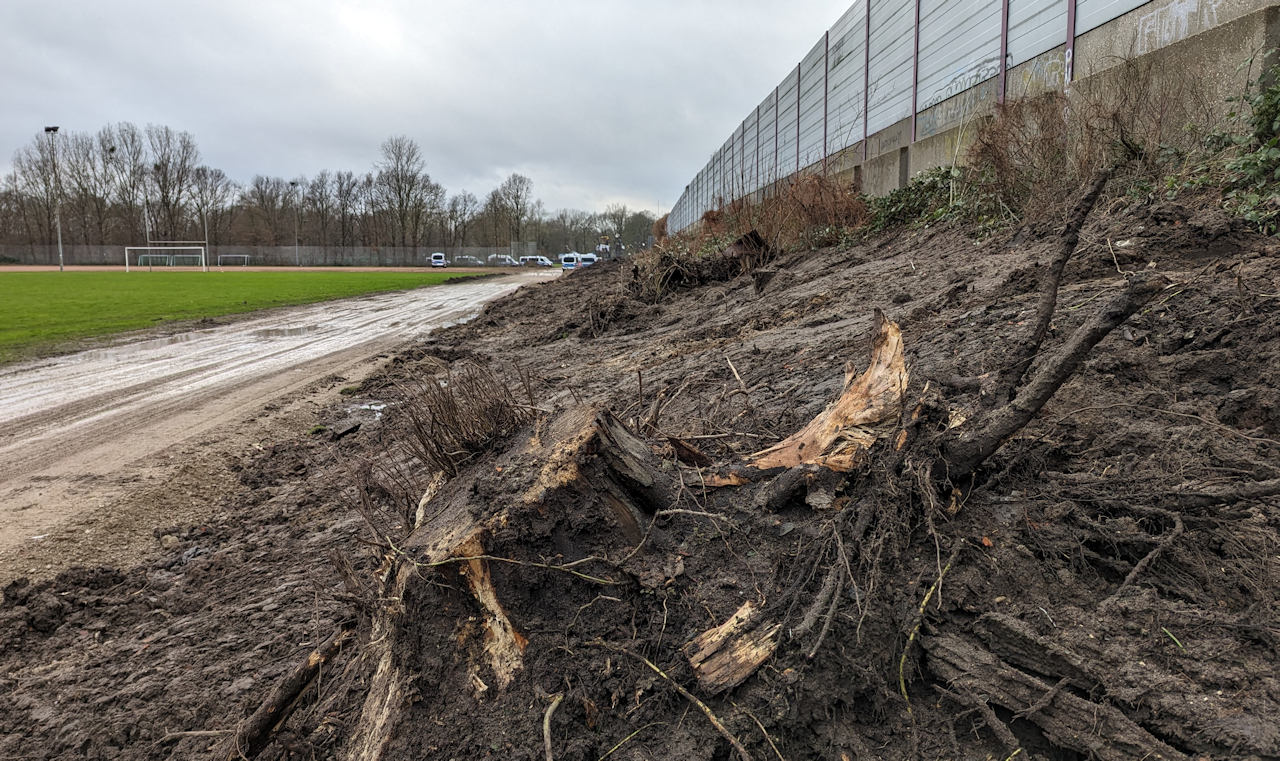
{"x":165,"y":256}
{"x":241,"y":259}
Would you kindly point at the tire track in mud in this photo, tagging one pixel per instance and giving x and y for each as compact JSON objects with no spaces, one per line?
{"x":77,"y":432}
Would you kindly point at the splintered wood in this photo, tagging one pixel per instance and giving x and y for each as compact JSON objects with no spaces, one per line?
{"x":503,"y":644}
{"x":839,"y":437}
{"x":724,"y":656}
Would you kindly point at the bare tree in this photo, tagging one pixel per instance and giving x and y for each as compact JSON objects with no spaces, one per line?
{"x":320,"y":206}
{"x":406,"y":191}
{"x":517,"y":197}
{"x":33,"y":166}
{"x":462,"y":210}
{"x":124,"y":154}
{"x":174,"y":158}
{"x":614,"y":219}
{"x":212,"y":197}
{"x":264,"y":201}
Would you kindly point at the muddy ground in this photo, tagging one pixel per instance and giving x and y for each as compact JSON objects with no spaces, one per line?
{"x":1080,"y":603}
{"x":95,"y":443}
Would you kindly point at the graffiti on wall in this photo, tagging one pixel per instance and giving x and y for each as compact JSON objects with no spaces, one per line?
{"x":969,"y":77}
{"x":1175,"y":22}
{"x":955,"y":110}
{"x":1043,"y":73}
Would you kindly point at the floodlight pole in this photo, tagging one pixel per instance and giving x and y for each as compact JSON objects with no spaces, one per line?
{"x":52,"y":132}
{"x":297,"y":215}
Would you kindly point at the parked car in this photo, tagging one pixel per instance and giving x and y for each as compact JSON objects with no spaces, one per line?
{"x":467,"y":261}
{"x":438,"y":259}
{"x":588,"y":259}
{"x":569,"y":253}
{"x":570,"y":261}
{"x":535,"y":261}
{"x":502,"y":260}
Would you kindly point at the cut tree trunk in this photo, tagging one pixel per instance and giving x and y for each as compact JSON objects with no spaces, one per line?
{"x":589,"y":455}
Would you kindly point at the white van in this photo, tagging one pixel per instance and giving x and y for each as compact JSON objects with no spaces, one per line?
{"x":535,"y":261}
{"x":502,"y":260}
{"x":570,"y":261}
{"x":588,"y":259}
{"x":438,"y":259}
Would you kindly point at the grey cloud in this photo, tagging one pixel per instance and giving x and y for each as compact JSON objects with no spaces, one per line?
{"x":596,"y":101}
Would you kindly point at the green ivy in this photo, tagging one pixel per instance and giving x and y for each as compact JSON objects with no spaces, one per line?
{"x":1254,"y":184}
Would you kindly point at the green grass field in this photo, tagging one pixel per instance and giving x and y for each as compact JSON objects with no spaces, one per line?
{"x":39,"y":311}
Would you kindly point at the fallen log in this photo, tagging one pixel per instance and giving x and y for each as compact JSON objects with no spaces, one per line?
{"x":1068,"y":721}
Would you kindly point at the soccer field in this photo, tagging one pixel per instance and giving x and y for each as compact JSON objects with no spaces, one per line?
{"x":41,"y":310}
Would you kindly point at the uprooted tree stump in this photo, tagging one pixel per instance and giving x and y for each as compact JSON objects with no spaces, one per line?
{"x":588,"y":455}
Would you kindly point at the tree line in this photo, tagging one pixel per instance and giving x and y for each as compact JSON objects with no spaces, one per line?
{"x":126,"y":185}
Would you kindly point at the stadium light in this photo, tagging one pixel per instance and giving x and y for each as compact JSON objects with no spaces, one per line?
{"x":297,"y":214}
{"x":57,"y":189}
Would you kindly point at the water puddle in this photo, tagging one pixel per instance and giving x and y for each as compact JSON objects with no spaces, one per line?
{"x":299,"y":330}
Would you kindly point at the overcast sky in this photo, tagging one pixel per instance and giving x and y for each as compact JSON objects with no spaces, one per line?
{"x":597,"y":101}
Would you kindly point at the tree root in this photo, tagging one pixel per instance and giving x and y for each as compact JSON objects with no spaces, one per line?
{"x":964,"y":453}
{"x":1165,"y":542}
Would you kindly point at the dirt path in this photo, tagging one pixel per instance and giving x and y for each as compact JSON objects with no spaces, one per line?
{"x":100,"y":447}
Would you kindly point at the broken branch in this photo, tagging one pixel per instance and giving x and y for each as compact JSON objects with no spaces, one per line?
{"x":255,"y":732}
{"x":965,"y":453}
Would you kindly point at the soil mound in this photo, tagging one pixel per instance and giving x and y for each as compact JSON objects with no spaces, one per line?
{"x":585,"y":585}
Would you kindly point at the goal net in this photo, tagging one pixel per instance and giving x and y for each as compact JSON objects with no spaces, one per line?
{"x":240,"y":259}
{"x":165,"y":256}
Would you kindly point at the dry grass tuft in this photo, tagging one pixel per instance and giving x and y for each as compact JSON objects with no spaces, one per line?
{"x":448,"y":420}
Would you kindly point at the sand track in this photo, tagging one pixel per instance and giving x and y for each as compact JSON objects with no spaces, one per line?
{"x":86,"y":438}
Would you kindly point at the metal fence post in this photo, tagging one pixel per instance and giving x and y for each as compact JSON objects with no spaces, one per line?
{"x":866,"y":81}
{"x":826,"y":98}
{"x":1068,"y":71}
{"x":915,"y":74}
{"x":1004,"y":52}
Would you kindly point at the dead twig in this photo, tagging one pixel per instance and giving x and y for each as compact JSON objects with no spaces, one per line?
{"x":546,"y":724}
{"x":735,"y":372}
{"x":1164,"y":543}
{"x":902,"y":662}
{"x":698,"y":514}
{"x":254,"y":733}
{"x":706,"y":711}
{"x":767,"y":738}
